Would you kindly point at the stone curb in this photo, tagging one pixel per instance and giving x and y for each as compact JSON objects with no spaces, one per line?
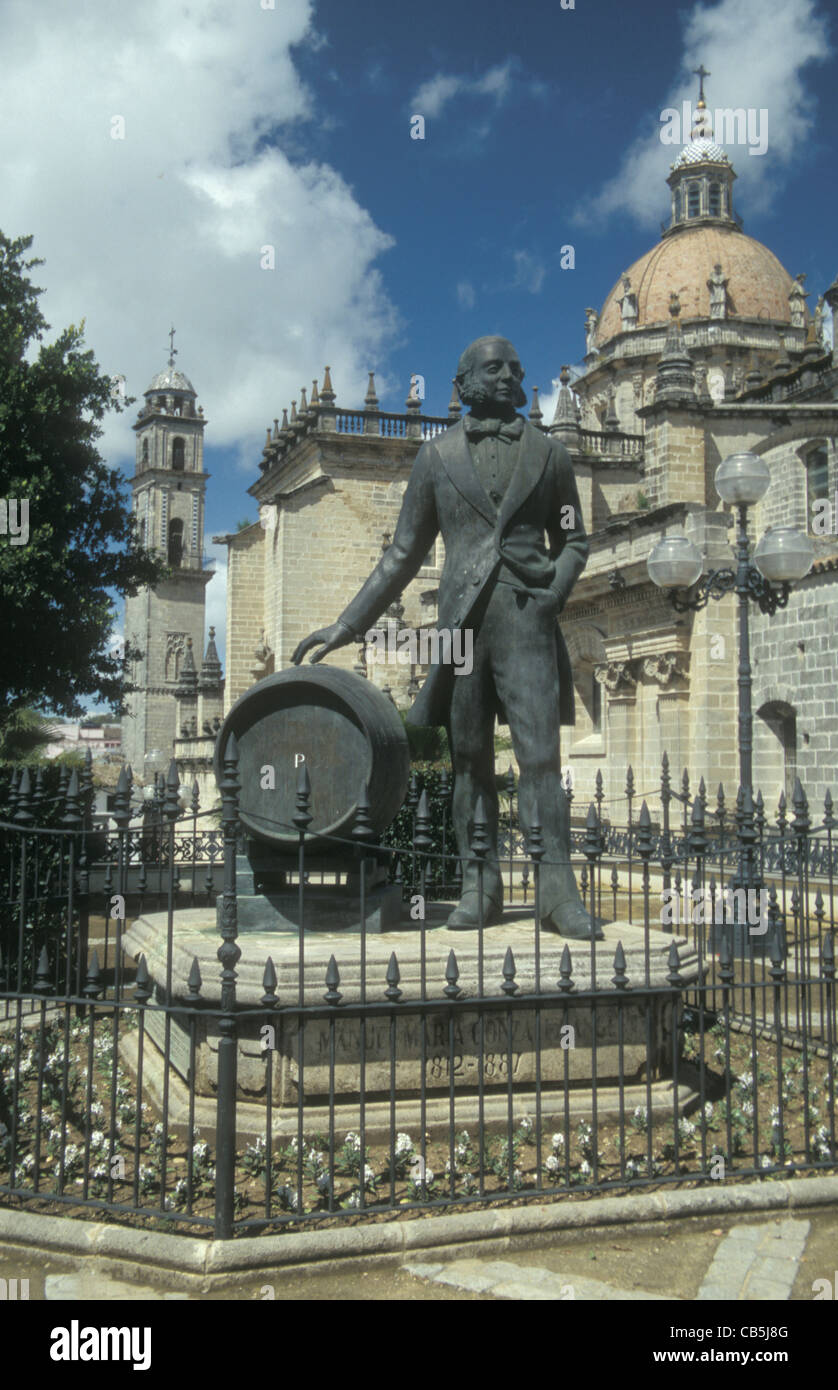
{"x":188,"y":1255}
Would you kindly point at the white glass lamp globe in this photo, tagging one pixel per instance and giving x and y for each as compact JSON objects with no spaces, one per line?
{"x":675,"y":563}
{"x":742,"y":478}
{"x":784,"y":554}
{"x":155,"y":760}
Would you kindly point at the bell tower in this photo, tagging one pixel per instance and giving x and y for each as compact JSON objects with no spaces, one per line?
{"x":168,"y":489}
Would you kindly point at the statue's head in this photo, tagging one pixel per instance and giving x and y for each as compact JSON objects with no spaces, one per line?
{"x":489,"y":376}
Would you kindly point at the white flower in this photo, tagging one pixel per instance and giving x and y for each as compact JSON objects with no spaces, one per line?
{"x":404,"y":1145}
{"x":558,"y":1142}
{"x":551,"y":1163}
{"x":585,"y":1169}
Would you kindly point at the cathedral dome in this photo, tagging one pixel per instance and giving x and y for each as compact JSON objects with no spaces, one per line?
{"x":170,"y":379}
{"x":758,"y":285}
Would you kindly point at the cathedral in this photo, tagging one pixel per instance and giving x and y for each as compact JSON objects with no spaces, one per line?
{"x":704,"y":347}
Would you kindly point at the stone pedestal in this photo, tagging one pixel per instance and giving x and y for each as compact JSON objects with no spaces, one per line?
{"x":534,"y":1035}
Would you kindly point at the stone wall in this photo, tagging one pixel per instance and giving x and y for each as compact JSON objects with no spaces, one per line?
{"x":160,"y":622}
{"x":245,"y":608}
{"x":794,"y":663}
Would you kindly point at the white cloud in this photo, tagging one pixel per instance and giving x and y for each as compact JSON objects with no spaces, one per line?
{"x":434,"y":95}
{"x":529,"y":272}
{"x":168,"y":224}
{"x":466,"y":297}
{"x":755,"y":54}
{"x":216,"y":609}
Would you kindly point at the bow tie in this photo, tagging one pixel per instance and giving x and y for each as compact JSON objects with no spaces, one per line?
{"x":504,"y":429}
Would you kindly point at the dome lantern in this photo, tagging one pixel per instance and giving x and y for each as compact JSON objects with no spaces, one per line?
{"x":702,"y":176}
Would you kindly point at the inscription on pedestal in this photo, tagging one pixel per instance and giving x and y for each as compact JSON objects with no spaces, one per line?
{"x":466,"y":1050}
{"x":179,"y":1041}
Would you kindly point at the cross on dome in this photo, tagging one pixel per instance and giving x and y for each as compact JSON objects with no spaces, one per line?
{"x":701,"y":72}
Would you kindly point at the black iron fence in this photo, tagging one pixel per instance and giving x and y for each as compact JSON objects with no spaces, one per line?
{"x":178,"y":1047}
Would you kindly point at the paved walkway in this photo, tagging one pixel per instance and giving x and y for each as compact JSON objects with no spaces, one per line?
{"x":754,"y":1262}
{"x":504,"y":1279}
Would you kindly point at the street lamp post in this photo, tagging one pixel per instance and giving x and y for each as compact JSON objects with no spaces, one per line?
{"x":782,"y":556}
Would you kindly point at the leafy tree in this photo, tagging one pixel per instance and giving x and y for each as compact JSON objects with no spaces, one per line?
{"x":24,"y":736}
{"x":57,"y":611}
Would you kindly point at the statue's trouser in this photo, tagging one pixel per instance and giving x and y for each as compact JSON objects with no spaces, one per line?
{"x":515,"y":659}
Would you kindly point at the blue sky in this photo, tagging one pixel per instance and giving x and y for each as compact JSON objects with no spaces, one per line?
{"x":246,"y":126}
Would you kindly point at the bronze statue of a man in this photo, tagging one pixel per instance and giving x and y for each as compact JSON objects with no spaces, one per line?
{"x":492,"y":485}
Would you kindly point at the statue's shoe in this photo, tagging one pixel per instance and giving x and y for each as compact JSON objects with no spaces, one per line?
{"x":465,"y":915}
{"x":572,"y":920}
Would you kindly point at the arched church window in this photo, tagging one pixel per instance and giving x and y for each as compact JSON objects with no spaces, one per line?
{"x":776,"y":746}
{"x":693,"y":200}
{"x":178,"y":454}
{"x":145,"y":451}
{"x":715,"y":200}
{"x":817,"y":478}
{"x":175,"y":542}
{"x":678,"y":205}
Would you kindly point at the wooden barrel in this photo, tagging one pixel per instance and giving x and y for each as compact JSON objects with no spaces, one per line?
{"x":347,"y":732}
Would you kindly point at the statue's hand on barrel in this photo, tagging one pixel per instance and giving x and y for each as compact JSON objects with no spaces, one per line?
{"x":327,"y":638}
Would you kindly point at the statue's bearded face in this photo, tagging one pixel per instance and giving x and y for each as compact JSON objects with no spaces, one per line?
{"x":489,"y":376}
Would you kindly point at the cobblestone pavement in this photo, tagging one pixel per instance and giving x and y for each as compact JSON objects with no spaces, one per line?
{"x":756,"y":1262}
{"x":505,"y":1279}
